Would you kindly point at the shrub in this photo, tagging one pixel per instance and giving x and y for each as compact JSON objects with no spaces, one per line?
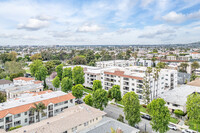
{"x":179,"y":112}
{"x":13,"y":128}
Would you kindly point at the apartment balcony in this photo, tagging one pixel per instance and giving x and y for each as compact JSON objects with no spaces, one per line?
{"x":31,"y":114}
{"x":139,"y":86}
{"x":140,"y":81}
{"x":9,"y":121}
{"x":30,"y":122}
{"x":126,"y":88}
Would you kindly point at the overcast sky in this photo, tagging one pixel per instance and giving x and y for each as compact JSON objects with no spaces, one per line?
{"x":61,"y":22}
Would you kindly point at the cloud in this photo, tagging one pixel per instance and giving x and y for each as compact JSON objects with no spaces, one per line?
{"x":145,"y":3}
{"x":174,"y":17}
{"x":89,"y":28}
{"x":44,"y":17}
{"x":34,"y":24}
{"x":157,"y":33}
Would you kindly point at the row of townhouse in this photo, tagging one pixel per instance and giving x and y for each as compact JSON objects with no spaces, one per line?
{"x":17,"y":111}
{"x":131,"y":79}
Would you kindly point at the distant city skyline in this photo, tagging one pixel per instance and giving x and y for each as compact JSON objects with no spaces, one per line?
{"x":99,"y":22}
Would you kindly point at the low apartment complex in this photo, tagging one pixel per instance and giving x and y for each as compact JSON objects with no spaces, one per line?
{"x":22,"y":85}
{"x":17,"y":111}
{"x":71,"y":120}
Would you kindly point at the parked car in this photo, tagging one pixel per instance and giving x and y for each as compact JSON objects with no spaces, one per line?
{"x":78,"y":101}
{"x":188,"y":131}
{"x":173,"y":127}
{"x":148,"y":117}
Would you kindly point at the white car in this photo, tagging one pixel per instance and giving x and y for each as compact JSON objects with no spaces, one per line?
{"x":188,"y":131}
{"x":173,"y":127}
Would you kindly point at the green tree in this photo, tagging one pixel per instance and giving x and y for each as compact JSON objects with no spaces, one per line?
{"x":41,"y":73}
{"x":193,"y":108}
{"x":77,"y":91}
{"x":90,"y":56}
{"x":121,"y":118}
{"x":131,"y":108}
{"x":79,"y":60}
{"x":96,"y":85}
{"x":50,"y":66}
{"x":153,"y":60}
{"x":183,"y":67}
{"x":66,"y":84}
{"x":195,"y":65}
{"x":161,"y":65}
{"x":13,"y":67}
{"x":67,"y":72}
{"x":146,"y":90}
{"x":39,"y":109}
{"x":59,"y":70}
{"x":36,"y":57}
{"x":160,"y":115}
{"x":2,"y":97}
{"x":56,"y":82}
{"x":100,"y":99}
{"x":35,"y":66}
{"x":116,"y":93}
{"x":78,"y":75}
{"x":12,"y":56}
{"x":88,"y":100}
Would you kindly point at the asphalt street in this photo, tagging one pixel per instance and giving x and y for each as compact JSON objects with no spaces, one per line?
{"x":114,"y":112}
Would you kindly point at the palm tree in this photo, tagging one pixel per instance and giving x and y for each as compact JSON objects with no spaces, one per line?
{"x":156,"y":76}
{"x":39,"y":108}
{"x":149,"y":71}
{"x":153,"y":60}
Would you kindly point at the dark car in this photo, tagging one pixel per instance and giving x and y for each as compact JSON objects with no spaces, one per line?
{"x":148,"y":117}
{"x":78,"y":102}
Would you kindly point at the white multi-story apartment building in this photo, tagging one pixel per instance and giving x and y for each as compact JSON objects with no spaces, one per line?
{"x":117,"y":63}
{"x":131,"y":79}
{"x":17,"y":112}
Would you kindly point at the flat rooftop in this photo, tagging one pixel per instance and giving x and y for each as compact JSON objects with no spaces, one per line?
{"x":105,"y":125}
{"x":68,"y":119}
{"x":179,"y":94}
{"x":29,"y":98}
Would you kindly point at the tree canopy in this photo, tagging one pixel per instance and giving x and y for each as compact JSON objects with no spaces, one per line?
{"x":96,"y":85}
{"x":100,"y":99}
{"x":56,"y":82}
{"x":131,"y":108}
{"x":35,"y":66}
{"x":67,"y":72}
{"x":193,"y":107}
{"x":59,"y":70}
{"x":116,"y":93}
{"x":88,"y":100}
{"x":77,"y":91}
{"x":160,"y":115}
{"x":66,"y":84}
{"x":78,"y":75}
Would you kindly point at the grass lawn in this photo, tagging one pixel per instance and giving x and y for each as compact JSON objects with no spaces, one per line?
{"x":87,"y":90}
{"x":143,"y":109}
{"x":174,"y":120}
{"x":194,"y":126}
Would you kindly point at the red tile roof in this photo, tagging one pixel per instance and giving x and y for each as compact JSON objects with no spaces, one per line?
{"x":24,"y":108}
{"x":173,"y":61}
{"x":37,"y":82}
{"x":23,"y":78}
{"x":195,"y":53}
{"x":121,"y":74}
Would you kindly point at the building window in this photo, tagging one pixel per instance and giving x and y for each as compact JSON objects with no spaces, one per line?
{"x":25,"y":120}
{"x":17,"y":115}
{"x":17,"y":123}
{"x":66,"y":102}
{"x":25,"y":113}
{"x":71,"y":101}
{"x":1,"y":127}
